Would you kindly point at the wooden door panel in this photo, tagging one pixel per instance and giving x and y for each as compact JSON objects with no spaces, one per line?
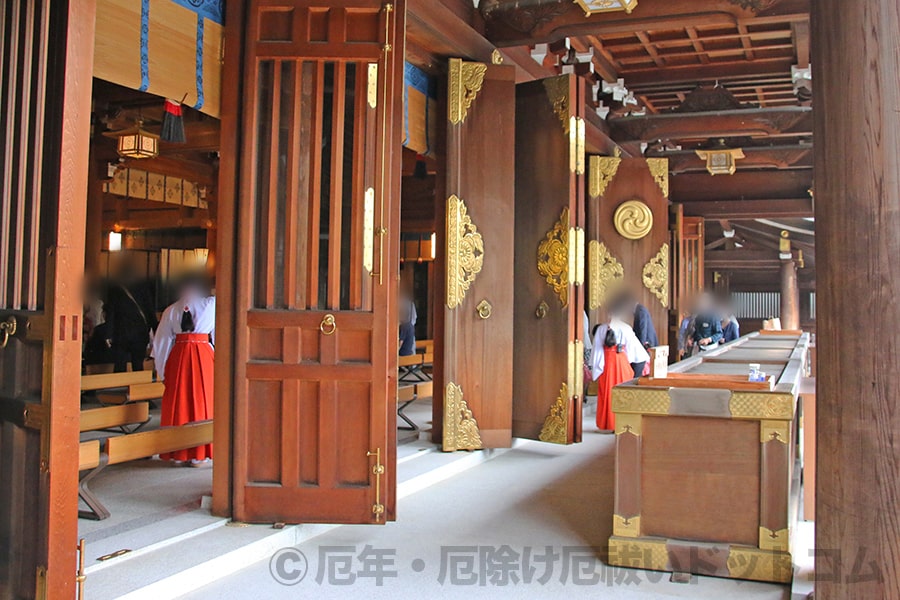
{"x":546,"y":303}
{"x":478,"y":307}
{"x":316,"y":189}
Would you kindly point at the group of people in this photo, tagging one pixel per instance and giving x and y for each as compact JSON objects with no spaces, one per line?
{"x":618,"y":351}
{"x":123,"y":328}
{"x":710,"y":323}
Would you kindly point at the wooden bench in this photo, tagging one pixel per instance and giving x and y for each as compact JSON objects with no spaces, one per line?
{"x":135,"y":393}
{"x":95,"y":455}
{"x":107,"y":381}
{"x":410,"y":368}
{"x":425,"y":347}
{"x":107,"y":417}
{"x":406,"y":395}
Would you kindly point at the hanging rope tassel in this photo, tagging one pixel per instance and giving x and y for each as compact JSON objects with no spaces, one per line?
{"x":187,"y":321}
{"x":173,"y":123}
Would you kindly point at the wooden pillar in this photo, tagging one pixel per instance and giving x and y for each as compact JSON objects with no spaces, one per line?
{"x":857,"y":133}
{"x":94,"y":235}
{"x":790,"y":296}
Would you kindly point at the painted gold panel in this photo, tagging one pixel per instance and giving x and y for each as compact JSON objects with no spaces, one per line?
{"x":753,"y":405}
{"x":638,"y":400}
{"x":641,"y":553}
{"x":759,"y":565}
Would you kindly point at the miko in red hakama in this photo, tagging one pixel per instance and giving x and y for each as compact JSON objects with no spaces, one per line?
{"x":189,"y":389}
{"x":616,"y":370}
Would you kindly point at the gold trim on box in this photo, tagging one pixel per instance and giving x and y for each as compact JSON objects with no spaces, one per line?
{"x":643,"y":401}
{"x":460,"y":426}
{"x":629,"y":423}
{"x":774,"y":430}
{"x":775,"y":541}
{"x":759,"y":565}
{"x":605,"y":272}
{"x":629,"y":527}
{"x":633,"y":219}
{"x":656,"y":275}
{"x":762,"y":406}
{"x":602,"y":171}
{"x":465,"y":251}
{"x":557,"y":89}
{"x":556,"y":425}
{"x":553,"y":257}
{"x":642,"y":553}
{"x":465,"y":81}
{"x":659,"y":169}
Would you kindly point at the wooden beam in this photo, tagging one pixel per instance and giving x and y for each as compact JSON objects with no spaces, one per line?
{"x":742,"y":259}
{"x":751,"y":209}
{"x":201,"y":173}
{"x":769,"y":157}
{"x":774,"y":185}
{"x":645,"y":79}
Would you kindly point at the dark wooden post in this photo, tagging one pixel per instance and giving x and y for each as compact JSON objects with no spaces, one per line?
{"x":857,"y":133}
{"x":790,"y":296}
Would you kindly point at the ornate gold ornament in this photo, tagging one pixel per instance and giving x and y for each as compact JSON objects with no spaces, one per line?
{"x":465,"y":251}
{"x":602,"y":171}
{"x":640,"y":553}
{"x":556,"y":425}
{"x":659,"y":168}
{"x":553,"y":257}
{"x":466,"y":79}
{"x":605,"y":272}
{"x":629,"y":527}
{"x":591,"y":7}
{"x":761,"y":406}
{"x":656,"y":275}
{"x":759,"y":565}
{"x":778,"y":431}
{"x":776,"y":541}
{"x":641,"y":400}
{"x":460,"y":427}
{"x":558,"y":92}
{"x":496,"y":57}
{"x":633,"y":219}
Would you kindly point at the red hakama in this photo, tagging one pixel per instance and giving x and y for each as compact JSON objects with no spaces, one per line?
{"x":189,"y":389}
{"x":616,"y":369}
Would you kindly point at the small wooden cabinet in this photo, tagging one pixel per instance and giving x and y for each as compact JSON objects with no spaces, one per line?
{"x":705,"y":462}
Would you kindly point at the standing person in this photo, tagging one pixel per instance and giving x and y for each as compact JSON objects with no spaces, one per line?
{"x":183,"y":350}
{"x":643,"y":326}
{"x":731,"y":330}
{"x":407,"y":326}
{"x":685,"y":331}
{"x":707,"y":325}
{"x":131,"y":316}
{"x":617,"y":357}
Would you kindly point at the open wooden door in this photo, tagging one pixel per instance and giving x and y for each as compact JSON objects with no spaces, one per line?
{"x":477,"y":235}
{"x":45,"y":114}
{"x":315,"y":337}
{"x":549,"y":261}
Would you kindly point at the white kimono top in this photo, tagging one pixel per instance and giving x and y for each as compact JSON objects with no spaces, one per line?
{"x":634,"y":350}
{"x":203,"y":309}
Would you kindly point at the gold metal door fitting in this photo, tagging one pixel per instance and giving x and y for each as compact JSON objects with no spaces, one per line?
{"x":7,"y":329}
{"x":328,"y":325}
{"x":80,"y":577}
{"x":378,"y":471}
{"x":541,"y":310}
{"x":484,"y":309}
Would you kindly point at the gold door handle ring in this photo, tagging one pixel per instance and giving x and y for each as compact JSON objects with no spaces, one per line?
{"x":7,"y":328}
{"x":328,"y":326}
{"x":541,"y":311}
{"x":484,"y":309}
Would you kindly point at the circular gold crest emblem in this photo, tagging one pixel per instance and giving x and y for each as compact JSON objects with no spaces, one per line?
{"x":633,"y":219}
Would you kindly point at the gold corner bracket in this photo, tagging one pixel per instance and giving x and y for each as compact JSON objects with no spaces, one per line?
{"x":556,"y":425}
{"x":465,"y":251}
{"x":460,"y":427}
{"x":605,"y":273}
{"x":553,"y":257}
{"x":557,"y":89}
{"x":465,"y":81}
{"x":656,"y":275}
{"x":602,"y":170}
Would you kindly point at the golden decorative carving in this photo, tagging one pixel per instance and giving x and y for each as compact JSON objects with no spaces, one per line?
{"x":603,"y":170}
{"x":656,"y":275}
{"x":465,"y":81}
{"x":556,"y":425}
{"x":629,"y":527}
{"x":605,"y":272}
{"x":642,"y":553}
{"x":496,"y":57}
{"x":759,"y":565}
{"x":778,"y":431}
{"x":553,"y":257}
{"x":641,"y":400}
{"x":465,"y":251}
{"x":633,"y":219}
{"x":659,"y":168}
{"x":775,"y":541}
{"x":460,"y":427}
{"x":558,"y":92}
{"x":762,"y":406}
{"x":629,"y":423}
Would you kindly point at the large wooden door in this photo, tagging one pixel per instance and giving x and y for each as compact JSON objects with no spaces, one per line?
{"x":45,"y":61}
{"x":478,"y":227}
{"x":315,"y":338}
{"x":549,"y":256}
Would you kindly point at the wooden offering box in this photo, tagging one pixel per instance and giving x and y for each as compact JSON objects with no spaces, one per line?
{"x":705,"y":462}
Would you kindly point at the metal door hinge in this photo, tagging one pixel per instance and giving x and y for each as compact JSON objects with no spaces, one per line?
{"x":377,"y":470}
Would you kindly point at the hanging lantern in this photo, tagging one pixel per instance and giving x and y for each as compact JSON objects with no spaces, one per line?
{"x":593,"y":7}
{"x":720,"y":159}
{"x":137,"y":143}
